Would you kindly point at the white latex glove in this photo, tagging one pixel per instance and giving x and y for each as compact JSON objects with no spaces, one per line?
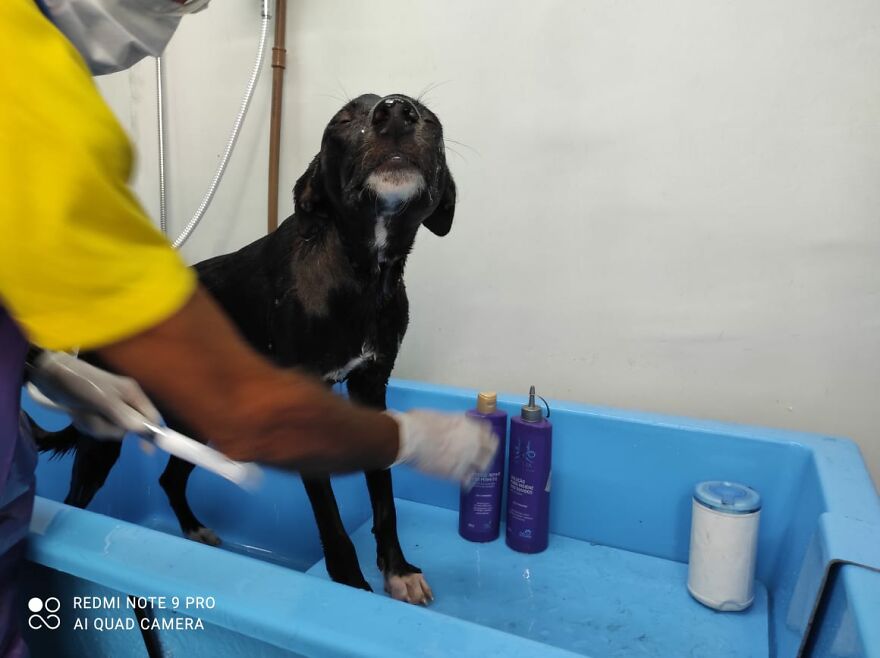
{"x":449,"y":445}
{"x":100,"y":403}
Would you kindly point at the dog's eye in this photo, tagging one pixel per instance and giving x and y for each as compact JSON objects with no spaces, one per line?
{"x":340,"y":121}
{"x":431,"y":121}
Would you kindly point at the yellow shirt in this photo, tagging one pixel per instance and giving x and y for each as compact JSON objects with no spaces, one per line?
{"x":80,"y":262}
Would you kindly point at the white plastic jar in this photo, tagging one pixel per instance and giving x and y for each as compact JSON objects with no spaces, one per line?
{"x":724,"y":542}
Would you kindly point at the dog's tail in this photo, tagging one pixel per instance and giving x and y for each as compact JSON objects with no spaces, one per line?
{"x":59,"y":443}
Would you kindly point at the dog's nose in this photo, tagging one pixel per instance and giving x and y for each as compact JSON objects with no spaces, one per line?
{"x":394,"y":115}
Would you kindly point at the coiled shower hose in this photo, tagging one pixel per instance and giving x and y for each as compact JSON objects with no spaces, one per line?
{"x":230,"y":144}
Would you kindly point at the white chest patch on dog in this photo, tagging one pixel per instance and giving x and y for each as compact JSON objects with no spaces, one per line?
{"x":367,"y":354}
{"x":381,"y":238}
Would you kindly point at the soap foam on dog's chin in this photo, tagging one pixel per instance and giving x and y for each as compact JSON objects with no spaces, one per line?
{"x":395,"y":187}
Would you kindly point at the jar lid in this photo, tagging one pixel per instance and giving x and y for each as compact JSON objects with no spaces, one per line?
{"x":729,"y":497}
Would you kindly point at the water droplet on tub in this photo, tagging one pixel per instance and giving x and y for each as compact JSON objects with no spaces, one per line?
{"x":526,"y":574}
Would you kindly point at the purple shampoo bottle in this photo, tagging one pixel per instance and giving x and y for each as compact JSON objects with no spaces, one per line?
{"x":479,"y":510}
{"x":528,"y":489}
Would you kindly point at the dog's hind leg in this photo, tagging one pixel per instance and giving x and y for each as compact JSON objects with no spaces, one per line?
{"x":403,"y":581}
{"x":93,"y":461}
{"x":339,"y":553}
{"x":173,"y":481}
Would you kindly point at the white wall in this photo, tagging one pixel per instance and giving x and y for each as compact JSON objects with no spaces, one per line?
{"x":664,"y":206}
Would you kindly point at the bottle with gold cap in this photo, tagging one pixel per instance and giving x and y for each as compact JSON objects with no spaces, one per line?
{"x":479,"y":512}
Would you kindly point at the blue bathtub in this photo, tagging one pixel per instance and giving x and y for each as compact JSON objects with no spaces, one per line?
{"x":611,"y":583}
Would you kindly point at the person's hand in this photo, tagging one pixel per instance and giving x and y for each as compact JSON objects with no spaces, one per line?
{"x":100,"y":403}
{"x":449,"y":445}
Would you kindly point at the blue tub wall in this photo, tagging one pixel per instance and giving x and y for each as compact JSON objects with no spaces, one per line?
{"x":849,"y":630}
{"x":835,"y":486}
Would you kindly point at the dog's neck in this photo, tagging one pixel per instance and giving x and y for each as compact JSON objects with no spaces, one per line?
{"x":375,"y":249}
{"x":369,"y":250}
{"x":374,"y":242}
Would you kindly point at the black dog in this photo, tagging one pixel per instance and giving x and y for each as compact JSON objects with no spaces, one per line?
{"x":325,"y":293}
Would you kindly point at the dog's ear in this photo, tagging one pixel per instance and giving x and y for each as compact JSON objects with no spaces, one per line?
{"x":440,"y":220}
{"x":308,"y":193}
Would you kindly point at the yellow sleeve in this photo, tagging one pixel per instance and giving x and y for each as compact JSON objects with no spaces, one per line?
{"x":80,"y":262}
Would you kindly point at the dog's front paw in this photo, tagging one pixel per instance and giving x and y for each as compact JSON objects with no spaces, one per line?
{"x":409,"y":587}
{"x":204,"y":535}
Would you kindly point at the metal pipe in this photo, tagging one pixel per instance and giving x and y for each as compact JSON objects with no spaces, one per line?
{"x":163,"y":209}
{"x":278,"y":64}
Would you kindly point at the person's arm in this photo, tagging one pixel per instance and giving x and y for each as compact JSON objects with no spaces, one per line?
{"x":196,"y":364}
